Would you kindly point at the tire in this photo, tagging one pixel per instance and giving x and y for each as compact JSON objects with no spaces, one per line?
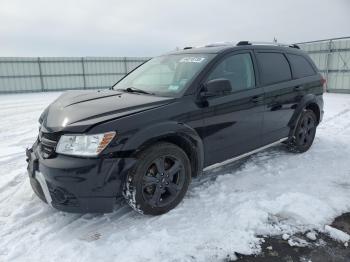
{"x":304,"y":133}
{"x":159,"y":180}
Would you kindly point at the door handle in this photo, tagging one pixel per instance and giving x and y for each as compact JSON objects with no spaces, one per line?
{"x":298,"y":88}
{"x":257,"y":99}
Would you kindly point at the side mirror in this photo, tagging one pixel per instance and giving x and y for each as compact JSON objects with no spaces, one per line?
{"x":216,"y":87}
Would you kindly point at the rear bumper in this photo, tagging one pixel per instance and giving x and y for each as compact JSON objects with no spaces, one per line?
{"x":75,"y":184}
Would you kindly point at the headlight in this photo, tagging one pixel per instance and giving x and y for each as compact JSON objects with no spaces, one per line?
{"x":84,"y":145}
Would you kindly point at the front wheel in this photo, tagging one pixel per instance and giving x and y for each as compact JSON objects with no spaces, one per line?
{"x":159,"y":180}
{"x":304,"y":133}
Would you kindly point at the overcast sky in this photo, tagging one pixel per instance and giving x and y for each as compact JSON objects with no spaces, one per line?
{"x":151,"y":27}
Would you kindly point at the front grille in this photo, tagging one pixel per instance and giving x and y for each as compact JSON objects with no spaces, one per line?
{"x":51,"y":136}
{"x":48,"y":143}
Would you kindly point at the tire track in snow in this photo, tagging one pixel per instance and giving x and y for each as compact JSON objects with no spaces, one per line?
{"x":339,"y":123}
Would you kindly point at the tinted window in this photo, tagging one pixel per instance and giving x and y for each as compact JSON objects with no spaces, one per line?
{"x":300,"y":66}
{"x":238,"y":69}
{"x":274,"y":68}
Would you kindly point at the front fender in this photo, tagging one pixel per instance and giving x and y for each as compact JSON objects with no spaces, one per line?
{"x":159,"y":131}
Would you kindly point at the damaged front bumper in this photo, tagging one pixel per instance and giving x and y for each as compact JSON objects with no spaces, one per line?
{"x":73,"y":184}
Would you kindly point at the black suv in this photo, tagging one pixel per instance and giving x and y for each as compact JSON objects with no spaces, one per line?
{"x":160,"y":125}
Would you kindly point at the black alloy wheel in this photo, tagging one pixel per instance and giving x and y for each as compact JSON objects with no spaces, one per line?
{"x":306,"y":130}
{"x":304,"y":133}
{"x":159,"y":180}
{"x":163,"y":181}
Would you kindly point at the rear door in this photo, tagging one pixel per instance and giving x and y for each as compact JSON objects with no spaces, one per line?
{"x":281,"y":94}
{"x":233,"y":122}
{"x":305,"y":76}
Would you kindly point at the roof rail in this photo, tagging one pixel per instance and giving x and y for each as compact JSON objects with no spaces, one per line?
{"x":219,"y":44}
{"x":267,"y":43}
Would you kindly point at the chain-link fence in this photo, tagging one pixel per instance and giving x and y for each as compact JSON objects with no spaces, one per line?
{"x":332,"y":57}
{"x":19,"y":74}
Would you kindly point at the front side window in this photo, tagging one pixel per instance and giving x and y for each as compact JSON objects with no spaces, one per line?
{"x":238,"y":69}
{"x":166,"y":75}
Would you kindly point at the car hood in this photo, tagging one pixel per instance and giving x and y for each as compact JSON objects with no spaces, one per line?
{"x":77,"y":111}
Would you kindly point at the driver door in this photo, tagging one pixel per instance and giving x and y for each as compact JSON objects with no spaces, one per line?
{"x":233,"y":122}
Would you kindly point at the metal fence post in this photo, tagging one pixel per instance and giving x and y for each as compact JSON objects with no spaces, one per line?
{"x":41,"y":75}
{"x":125,"y":66}
{"x":83,"y":68}
{"x":328,"y":62}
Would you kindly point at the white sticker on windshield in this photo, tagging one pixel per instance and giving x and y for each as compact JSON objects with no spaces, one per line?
{"x":173,"y":87}
{"x":192,"y":60}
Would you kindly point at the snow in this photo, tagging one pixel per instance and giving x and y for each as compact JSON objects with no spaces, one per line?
{"x":312,"y":235}
{"x":337,"y":234}
{"x":285,"y":236}
{"x":297,"y":242}
{"x":271,"y":193}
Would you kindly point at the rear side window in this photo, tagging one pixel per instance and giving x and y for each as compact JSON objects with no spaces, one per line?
{"x":274,"y":68}
{"x":300,"y":66}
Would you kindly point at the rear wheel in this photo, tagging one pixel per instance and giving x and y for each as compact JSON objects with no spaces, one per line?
{"x":159,"y":180}
{"x":304,"y":133}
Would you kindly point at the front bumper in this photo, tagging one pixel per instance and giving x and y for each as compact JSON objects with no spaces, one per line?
{"x":73,"y":184}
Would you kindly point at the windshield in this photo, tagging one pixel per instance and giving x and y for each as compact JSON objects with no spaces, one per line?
{"x":166,"y":75}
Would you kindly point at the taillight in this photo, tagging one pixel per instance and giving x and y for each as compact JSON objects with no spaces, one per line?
{"x":324,"y":84}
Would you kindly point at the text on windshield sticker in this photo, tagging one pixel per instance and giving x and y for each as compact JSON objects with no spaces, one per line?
{"x":192,"y":60}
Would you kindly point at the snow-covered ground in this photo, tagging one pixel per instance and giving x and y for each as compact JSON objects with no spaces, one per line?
{"x":272,"y":192}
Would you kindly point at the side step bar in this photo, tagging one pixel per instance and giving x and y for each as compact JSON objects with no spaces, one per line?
{"x":228,"y":161}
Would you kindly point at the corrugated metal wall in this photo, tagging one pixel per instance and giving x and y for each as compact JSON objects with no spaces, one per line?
{"x":48,"y":74}
{"x":332,"y":57}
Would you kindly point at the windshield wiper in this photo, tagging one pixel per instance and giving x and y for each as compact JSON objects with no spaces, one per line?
{"x":136,"y":90}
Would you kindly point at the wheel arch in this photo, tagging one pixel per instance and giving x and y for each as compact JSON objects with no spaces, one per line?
{"x":179,"y":134}
{"x":313,"y":106}
{"x":307,"y":102}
